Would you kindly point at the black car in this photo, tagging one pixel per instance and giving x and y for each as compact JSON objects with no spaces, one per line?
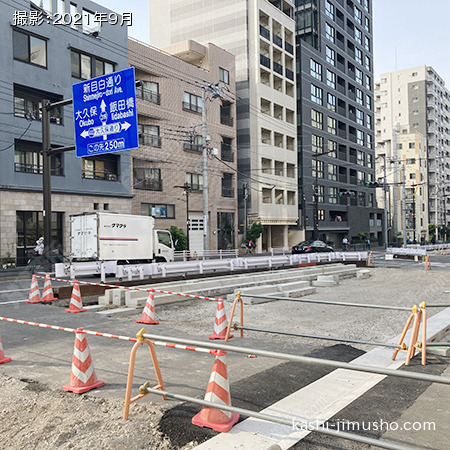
{"x":311,"y":247}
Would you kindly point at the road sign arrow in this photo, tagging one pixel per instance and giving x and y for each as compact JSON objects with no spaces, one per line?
{"x":125,"y":126}
{"x":103,"y":105}
{"x":85,"y":133}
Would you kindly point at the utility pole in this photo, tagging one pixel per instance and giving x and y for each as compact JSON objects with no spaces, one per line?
{"x":385,"y":188}
{"x":414,"y":212}
{"x":394,"y":157}
{"x":46,"y":184}
{"x":404,"y":204}
{"x":245,"y":192}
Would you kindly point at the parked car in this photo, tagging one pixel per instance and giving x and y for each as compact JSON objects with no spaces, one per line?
{"x":311,"y":247}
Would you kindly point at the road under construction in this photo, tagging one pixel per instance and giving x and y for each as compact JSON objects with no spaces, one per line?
{"x":280,"y":369}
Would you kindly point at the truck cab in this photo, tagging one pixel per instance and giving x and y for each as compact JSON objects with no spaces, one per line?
{"x":165,"y":249}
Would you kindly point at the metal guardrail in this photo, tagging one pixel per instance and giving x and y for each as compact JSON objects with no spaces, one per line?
{"x":187,"y":255}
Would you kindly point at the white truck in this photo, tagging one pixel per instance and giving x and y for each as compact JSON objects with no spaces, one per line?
{"x":121,"y":244}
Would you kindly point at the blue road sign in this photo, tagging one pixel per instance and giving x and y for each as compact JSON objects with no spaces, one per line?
{"x":104,"y":110}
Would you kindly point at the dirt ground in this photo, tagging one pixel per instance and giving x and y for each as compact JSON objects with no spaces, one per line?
{"x":36,"y":416}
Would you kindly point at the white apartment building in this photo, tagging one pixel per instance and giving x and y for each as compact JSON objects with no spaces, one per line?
{"x":416,"y":102}
{"x":261,"y":35}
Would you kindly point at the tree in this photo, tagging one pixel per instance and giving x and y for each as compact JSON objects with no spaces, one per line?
{"x":254,"y":232}
{"x":179,"y":238}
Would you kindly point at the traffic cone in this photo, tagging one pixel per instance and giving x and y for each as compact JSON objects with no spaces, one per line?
{"x":82,"y":377}
{"x":220,"y":322}
{"x":3,"y":358}
{"x":47,"y":293}
{"x":148,"y":314}
{"x":35,"y":295}
{"x":218,"y":392}
{"x":76,"y":305}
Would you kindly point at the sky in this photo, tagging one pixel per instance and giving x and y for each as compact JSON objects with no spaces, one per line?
{"x":407,"y":33}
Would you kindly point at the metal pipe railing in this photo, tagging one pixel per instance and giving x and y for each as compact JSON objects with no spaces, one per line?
{"x":294,"y":423}
{"x":306,"y":359}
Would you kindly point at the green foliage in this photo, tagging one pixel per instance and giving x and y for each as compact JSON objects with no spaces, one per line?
{"x":179,"y":238}
{"x":254,"y":232}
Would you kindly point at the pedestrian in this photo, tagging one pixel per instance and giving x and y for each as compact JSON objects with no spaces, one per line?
{"x":368,"y":242}
{"x":250,"y":246}
{"x":344,"y":243}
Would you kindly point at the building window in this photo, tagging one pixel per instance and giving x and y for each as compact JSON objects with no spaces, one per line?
{"x":369,"y":121}
{"x":358,"y":55}
{"x":85,"y":66}
{"x":105,"y":167}
{"x":195,"y":181}
{"x":329,"y":32}
{"x":225,"y":114}
{"x":412,"y":145}
{"x":366,"y":5}
{"x":330,"y":56}
{"x":158,"y":211}
{"x":194,"y":143}
{"x":331,"y":125}
{"x":316,"y":119}
{"x":359,"y":96}
{"x":329,"y":9}
{"x":358,"y":36}
{"x":331,"y":102}
{"x":358,"y":76}
{"x":316,"y":143}
{"x":359,"y":117}
{"x":316,"y":94}
{"x":29,"y":48}
{"x":367,"y":43}
{"x":370,"y":161}
{"x":147,"y":179}
{"x":192,"y":102}
{"x":331,"y":79}
{"x":369,"y":141}
{"x":317,"y":168}
{"x":320,"y":199}
{"x":368,"y":83}
{"x":226,"y":153}
{"x":149,"y":135}
{"x":410,"y":160}
{"x":367,"y":24}
{"x":315,"y":69}
{"x":28,"y":101}
{"x":90,"y":25}
{"x":358,"y":15}
{"x":332,"y":195}
{"x":149,"y":91}
{"x":227,"y":185}
{"x":28,"y":159}
{"x":332,"y":172}
{"x":224,"y":75}
{"x":359,"y":137}
{"x":44,"y":5}
{"x":225,"y":230}
{"x":368,"y":102}
{"x":332,"y":149}
{"x":361,"y":199}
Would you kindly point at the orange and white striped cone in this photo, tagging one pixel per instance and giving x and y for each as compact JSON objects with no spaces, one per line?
{"x":35,"y":295}
{"x":220,"y":322}
{"x":218,"y":392}
{"x":47,"y":293}
{"x":148,"y":314}
{"x":82,"y":378}
{"x":3,"y":358}
{"x":76,"y":305}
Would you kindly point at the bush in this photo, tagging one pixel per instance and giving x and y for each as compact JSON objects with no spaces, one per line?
{"x":179,"y":238}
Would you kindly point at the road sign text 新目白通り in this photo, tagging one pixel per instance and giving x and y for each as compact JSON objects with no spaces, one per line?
{"x":105,"y":116}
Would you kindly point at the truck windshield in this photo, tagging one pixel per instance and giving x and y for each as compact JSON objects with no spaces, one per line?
{"x":164,"y":238}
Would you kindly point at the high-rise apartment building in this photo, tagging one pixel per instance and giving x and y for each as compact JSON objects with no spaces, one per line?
{"x":261,"y":35}
{"x":336,"y":121}
{"x":415,"y":102}
{"x":168,"y":165}
{"x":41,"y":59}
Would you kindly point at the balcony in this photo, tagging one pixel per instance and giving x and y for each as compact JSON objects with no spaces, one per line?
{"x":227,"y":191}
{"x":226,"y":120}
{"x":289,"y":47}
{"x":264,"y":32}
{"x":148,"y":95}
{"x":150,"y":140}
{"x":264,"y":60}
{"x":99,"y":175}
{"x":277,"y":40}
{"x":289,"y":74}
{"x":278,"y":68}
{"x":193,"y":147}
{"x":148,"y":184}
{"x":37,"y":169}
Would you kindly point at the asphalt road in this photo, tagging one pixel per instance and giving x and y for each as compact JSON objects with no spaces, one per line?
{"x":45,"y":355}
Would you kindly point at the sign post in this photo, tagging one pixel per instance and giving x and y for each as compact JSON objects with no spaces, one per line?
{"x":105,"y":115}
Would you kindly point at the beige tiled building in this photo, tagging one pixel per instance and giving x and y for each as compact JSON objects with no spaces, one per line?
{"x":169,"y":158}
{"x":261,"y":35}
